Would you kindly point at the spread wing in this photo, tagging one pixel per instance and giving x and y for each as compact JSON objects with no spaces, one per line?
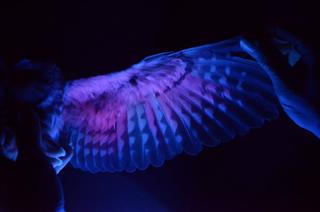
{"x":165,"y":105}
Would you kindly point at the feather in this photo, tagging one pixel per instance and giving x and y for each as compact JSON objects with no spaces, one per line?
{"x":167,"y":104}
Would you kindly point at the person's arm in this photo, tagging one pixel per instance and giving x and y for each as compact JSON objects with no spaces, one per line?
{"x":38,"y":187}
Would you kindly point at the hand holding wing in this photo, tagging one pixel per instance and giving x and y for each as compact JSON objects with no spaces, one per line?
{"x":292,"y":69}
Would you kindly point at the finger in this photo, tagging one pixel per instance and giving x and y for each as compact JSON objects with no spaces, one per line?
{"x":56,"y":153}
{"x":286,"y":36}
{"x":65,"y":161}
{"x":267,"y":56}
{"x":306,"y":52}
{"x":55,"y":162}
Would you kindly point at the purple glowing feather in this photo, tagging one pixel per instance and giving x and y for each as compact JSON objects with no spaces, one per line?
{"x":165,"y":105}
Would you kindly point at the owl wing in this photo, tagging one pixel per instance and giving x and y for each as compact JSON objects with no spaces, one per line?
{"x":167,"y":104}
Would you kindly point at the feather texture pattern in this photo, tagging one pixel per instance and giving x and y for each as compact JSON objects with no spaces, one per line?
{"x":165,"y":105}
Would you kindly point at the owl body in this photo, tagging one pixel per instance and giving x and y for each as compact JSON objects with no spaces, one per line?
{"x":30,"y":87}
{"x":165,"y":105}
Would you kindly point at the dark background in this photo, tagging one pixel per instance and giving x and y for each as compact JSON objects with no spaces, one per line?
{"x":275,"y":168}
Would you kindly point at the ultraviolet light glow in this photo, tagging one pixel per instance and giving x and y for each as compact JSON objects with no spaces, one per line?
{"x":166,"y":104}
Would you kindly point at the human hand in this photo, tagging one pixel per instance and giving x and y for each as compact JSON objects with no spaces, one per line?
{"x":59,"y":156}
{"x":292,"y":69}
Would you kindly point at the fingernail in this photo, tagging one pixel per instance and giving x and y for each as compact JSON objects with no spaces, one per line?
{"x":246,"y":46}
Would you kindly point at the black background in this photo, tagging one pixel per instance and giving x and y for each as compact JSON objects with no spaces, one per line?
{"x":275,"y":168}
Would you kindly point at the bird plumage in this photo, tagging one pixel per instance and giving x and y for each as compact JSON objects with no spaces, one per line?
{"x":165,"y":105}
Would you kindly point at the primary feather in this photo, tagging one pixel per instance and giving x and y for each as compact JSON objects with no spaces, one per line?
{"x":165,"y":105}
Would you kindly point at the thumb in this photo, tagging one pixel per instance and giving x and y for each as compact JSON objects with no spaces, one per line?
{"x":271,"y":61}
